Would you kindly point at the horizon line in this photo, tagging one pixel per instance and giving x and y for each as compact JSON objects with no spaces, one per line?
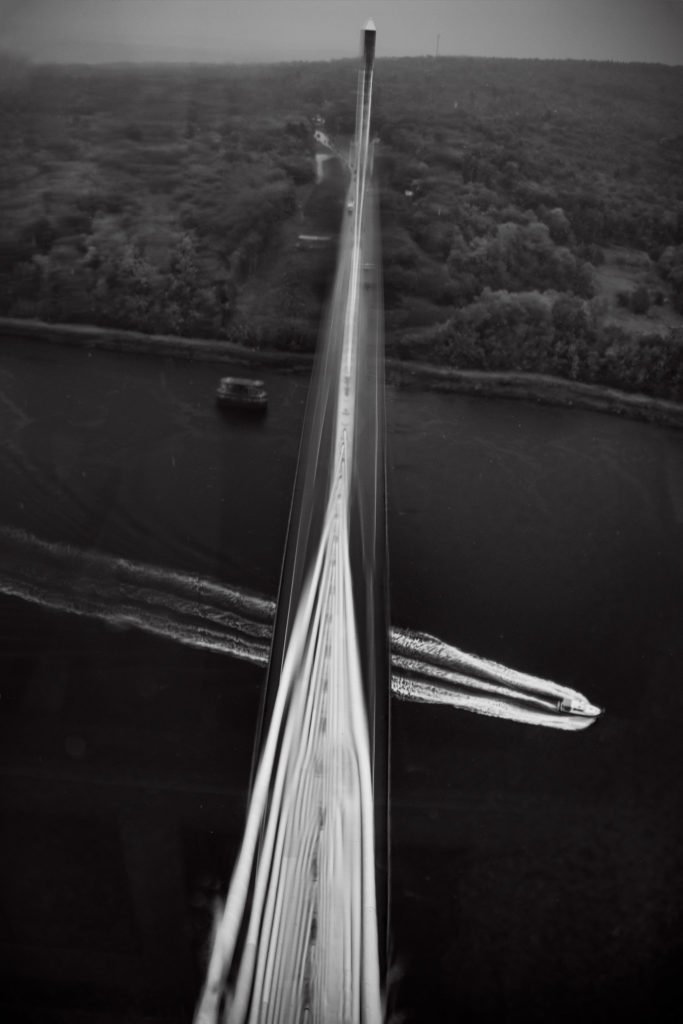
{"x":267,"y":62}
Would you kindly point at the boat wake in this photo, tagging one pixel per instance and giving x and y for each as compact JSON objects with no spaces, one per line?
{"x":205,"y":613}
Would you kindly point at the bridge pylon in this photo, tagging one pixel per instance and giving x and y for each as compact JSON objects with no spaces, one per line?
{"x":303,"y":933}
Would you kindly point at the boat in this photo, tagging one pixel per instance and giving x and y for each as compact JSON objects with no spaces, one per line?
{"x":242,"y":393}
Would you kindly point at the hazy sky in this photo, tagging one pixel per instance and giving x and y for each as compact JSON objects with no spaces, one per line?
{"x":237,"y":30}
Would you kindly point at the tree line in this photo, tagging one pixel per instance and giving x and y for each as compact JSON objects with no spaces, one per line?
{"x":174,"y":200}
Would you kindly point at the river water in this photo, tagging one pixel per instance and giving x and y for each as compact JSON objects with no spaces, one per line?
{"x":536,"y":875}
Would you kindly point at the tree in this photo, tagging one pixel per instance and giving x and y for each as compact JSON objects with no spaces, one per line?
{"x":640,"y":300}
{"x":190,"y":305}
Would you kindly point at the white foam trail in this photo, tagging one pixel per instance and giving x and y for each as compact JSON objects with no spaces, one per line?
{"x":207,"y":614}
{"x":430,"y":693}
{"x":178,"y":606}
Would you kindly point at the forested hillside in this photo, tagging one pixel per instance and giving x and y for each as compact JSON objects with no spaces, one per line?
{"x":532,"y":210}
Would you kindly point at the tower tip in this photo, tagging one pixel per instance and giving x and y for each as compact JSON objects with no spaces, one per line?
{"x":370,"y":27}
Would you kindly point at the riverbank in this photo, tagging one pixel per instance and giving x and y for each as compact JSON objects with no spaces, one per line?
{"x":113,"y":339}
{"x":531,"y":387}
{"x":537,"y":387}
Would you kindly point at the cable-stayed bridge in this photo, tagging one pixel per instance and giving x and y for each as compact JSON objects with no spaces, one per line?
{"x":302,"y":937}
{"x":303,"y":930}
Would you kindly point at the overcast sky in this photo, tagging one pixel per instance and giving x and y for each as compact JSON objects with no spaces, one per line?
{"x":239,"y":30}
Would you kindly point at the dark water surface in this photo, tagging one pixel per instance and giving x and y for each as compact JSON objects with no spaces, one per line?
{"x":536,"y":875}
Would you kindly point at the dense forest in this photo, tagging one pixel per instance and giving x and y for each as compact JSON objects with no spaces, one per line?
{"x":532,"y":211}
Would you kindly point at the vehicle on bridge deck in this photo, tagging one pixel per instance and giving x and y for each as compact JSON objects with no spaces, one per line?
{"x":242,"y":393}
